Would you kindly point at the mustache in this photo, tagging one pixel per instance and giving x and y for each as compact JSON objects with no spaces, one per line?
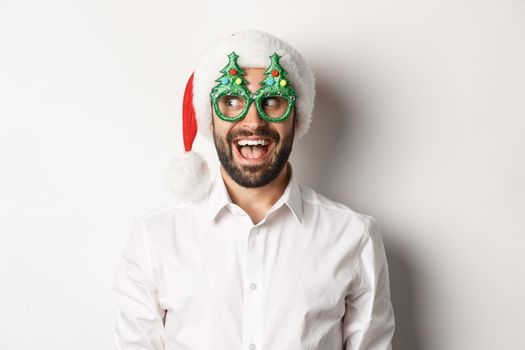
{"x":263,"y":132}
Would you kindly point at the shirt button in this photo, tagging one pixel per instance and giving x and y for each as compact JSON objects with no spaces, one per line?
{"x":252,"y":347}
{"x":253,"y":286}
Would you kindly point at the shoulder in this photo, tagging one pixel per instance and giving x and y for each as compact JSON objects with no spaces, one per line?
{"x":316,"y":204}
{"x":164,"y":216}
{"x":318,"y":201}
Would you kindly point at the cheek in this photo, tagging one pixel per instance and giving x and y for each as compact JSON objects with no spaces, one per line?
{"x":220,"y":127}
{"x":222,"y":131}
{"x":285,"y":128}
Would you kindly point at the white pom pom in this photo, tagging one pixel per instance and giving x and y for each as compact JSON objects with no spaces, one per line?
{"x":188,"y":176}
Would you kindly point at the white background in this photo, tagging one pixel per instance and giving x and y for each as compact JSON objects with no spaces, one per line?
{"x":419,"y":121}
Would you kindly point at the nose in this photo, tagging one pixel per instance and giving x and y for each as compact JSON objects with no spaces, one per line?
{"x":252,"y":120}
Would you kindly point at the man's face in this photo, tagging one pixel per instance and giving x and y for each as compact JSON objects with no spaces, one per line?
{"x":253,"y":166}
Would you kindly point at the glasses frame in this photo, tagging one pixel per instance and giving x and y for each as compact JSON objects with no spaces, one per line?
{"x":257,"y":97}
{"x":274,"y":84}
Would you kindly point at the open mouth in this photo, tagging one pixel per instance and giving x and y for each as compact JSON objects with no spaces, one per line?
{"x":253,"y":149}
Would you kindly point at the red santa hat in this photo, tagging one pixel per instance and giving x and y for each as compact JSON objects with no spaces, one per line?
{"x":188,"y":173}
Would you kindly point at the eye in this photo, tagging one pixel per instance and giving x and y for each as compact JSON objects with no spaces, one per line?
{"x":270,"y":102}
{"x":233,"y":102}
{"x":230,"y":105}
{"x":274,"y":106}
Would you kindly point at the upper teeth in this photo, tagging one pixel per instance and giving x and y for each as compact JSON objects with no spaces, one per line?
{"x":252,"y":142}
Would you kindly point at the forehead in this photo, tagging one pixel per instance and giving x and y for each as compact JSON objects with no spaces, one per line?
{"x":253,"y":75}
{"x":253,"y":72}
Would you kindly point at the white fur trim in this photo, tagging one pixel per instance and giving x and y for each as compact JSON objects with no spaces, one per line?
{"x":188,"y":177}
{"x":254,"y":48}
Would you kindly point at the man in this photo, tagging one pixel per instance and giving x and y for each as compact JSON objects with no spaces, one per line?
{"x":253,"y":260}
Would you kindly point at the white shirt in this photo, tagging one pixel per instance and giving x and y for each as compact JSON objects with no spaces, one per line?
{"x":311,"y":275}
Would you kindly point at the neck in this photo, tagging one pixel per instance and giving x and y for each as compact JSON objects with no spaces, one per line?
{"x":257,"y":201}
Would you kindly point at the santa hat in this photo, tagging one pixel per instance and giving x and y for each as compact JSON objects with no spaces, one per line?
{"x":188,"y":174}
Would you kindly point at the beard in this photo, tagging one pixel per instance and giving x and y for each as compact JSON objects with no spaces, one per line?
{"x":255,"y":175}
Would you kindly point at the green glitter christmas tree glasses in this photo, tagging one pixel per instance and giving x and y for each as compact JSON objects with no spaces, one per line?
{"x":231,"y":99}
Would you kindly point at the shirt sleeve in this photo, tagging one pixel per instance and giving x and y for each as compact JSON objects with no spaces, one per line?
{"x":368,"y":323}
{"x":139,"y":317}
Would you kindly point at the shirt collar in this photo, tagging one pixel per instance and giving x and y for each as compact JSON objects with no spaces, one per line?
{"x":219,"y":197}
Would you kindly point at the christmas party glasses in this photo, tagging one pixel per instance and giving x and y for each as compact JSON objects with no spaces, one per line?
{"x":274,"y":100}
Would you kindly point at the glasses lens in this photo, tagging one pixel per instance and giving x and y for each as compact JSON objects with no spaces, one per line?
{"x":274,"y":106}
{"x":231,"y":106}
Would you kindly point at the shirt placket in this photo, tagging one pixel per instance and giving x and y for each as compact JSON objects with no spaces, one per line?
{"x":252,"y":307}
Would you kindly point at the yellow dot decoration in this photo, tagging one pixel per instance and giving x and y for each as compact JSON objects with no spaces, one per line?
{"x":238,"y":81}
{"x":283,"y":82}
